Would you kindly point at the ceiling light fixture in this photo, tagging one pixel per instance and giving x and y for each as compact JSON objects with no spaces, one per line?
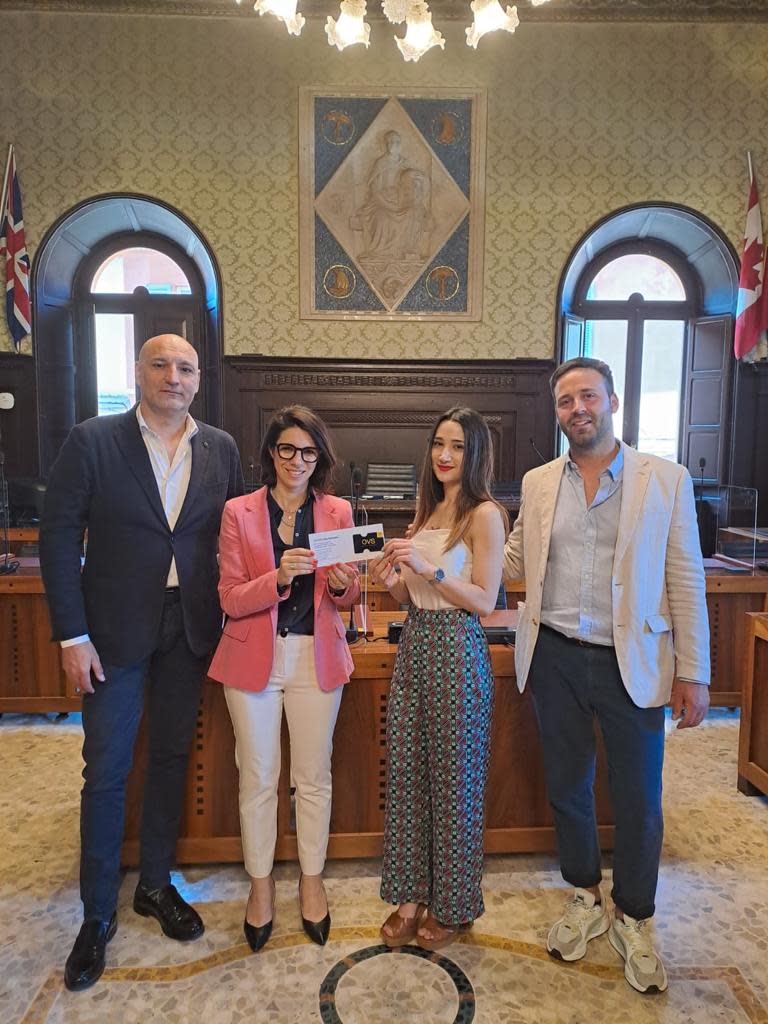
{"x":420,"y":35}
{"x":285,"y":10}
{"x":350,"y":27}
{"x":490,"y":17}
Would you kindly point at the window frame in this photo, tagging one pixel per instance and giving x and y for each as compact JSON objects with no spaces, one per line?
{"x":635,"y":310}
{"x":140,"y":303}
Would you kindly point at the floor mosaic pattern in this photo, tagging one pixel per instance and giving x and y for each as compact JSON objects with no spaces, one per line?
{"x":711,"y":924}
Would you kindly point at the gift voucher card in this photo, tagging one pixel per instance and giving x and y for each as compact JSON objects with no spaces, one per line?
{"x":356,"y":544}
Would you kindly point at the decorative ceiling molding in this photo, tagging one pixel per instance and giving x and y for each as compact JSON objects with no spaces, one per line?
{"x":447,"y":10}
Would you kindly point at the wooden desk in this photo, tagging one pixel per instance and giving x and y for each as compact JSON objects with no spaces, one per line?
{"x":729,"y":597}
{"x":518,"y":818}
{"x":753,"y":730}
{"x":31,"y":677}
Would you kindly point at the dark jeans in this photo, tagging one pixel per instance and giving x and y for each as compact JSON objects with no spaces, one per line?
{"x":170,"y":682}
{"x":571,"y":686}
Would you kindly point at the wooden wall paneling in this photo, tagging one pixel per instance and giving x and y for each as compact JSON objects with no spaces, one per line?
{"x":749,"y":453}
{"x":706,"y":400}
{"x":18,"y":426}
{"x":382,"y":411}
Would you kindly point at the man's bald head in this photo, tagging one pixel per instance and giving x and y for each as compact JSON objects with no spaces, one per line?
{"x":168,"y":374}
{"x":162,"y":342}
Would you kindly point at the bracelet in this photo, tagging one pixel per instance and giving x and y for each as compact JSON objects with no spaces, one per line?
{"x":283,"y":588}
{"x":337,"y":593}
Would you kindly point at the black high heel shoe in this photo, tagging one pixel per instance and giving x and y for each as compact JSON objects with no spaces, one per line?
{"x":316,"y":930}
{"x":257,"y":935}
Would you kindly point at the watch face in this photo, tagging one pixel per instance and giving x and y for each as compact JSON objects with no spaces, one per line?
{"x":439,"y":575}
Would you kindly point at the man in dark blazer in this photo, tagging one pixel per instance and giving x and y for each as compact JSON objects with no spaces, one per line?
{"x":137,"y":624}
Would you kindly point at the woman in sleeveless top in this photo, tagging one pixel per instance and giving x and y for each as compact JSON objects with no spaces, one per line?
{"x":441,"y":698}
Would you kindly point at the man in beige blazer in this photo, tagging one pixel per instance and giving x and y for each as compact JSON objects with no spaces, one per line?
{"x":613,"y":627}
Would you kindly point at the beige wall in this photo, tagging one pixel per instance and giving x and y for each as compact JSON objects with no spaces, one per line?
{"x":202,"y":113}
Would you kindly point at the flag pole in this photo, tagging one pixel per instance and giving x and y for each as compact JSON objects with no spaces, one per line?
{"x":749,"y":164}
{"x":5,"y":179}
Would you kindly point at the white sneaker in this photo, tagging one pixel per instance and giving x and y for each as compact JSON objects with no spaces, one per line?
{"x":584,"y":919}
{"x":643,"y":968}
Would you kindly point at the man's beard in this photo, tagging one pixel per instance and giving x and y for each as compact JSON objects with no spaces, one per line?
{"x":603,"y":428}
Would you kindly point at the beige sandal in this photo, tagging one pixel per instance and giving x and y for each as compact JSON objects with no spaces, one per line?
{"x":442,"y":934}
{"x":403,"y":928}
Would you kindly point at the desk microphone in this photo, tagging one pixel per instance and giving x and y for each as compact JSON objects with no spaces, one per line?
{"x":9,"y":565}
{"x":356,"y":484}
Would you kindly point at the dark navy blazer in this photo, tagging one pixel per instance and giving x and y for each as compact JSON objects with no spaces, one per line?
{"x":102,"y":481}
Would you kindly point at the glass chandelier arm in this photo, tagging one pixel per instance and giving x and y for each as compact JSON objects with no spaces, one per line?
{"x":285,"y":11}
{"x":490,"y":17}
{"x":350,"y":27}
{"x":420,"y":35}
{"x":395,"y":11}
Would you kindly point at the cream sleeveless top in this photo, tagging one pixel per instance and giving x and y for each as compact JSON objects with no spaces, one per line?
{"x":456,"y":562}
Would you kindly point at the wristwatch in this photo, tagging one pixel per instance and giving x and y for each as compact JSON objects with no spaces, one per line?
{"x":438,"y":577}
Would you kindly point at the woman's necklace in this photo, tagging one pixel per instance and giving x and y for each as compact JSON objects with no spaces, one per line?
{"x":289,"y":514}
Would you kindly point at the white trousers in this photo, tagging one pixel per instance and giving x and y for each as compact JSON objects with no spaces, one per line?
{"x":256,"y":718}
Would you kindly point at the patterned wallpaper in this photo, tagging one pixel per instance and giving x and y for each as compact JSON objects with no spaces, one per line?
{"x":202,"y":113}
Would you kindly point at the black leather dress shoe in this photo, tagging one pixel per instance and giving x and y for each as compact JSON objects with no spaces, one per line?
{"x":316,"y":930}
{"x":257,"y":935}
{"x":177,"y":919}
{"x":85,"y":964}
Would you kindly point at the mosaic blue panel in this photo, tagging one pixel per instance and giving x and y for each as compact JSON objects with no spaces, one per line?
{"x":446,"y":125}
{"x":329,"y":254}
{"x":339,"y":123}
{"x":455,"y":255}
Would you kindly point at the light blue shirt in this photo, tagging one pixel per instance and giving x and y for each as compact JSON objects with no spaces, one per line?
{"x":577,"y":595}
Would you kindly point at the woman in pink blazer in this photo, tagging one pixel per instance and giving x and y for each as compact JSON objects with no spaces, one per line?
{"x":284,"y":647}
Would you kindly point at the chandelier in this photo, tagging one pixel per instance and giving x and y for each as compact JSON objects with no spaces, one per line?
{"x":350,"y":27}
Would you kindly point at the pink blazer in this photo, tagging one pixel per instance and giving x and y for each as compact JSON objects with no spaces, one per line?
{"x":248,"y":595}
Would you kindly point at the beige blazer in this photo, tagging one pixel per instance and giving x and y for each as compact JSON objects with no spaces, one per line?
{"x":660,"y":624}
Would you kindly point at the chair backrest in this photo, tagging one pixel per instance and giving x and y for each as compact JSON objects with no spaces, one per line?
{"x":395,"y":479}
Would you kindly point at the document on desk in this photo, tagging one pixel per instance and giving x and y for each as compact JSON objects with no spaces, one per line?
{"x":356,"y":544}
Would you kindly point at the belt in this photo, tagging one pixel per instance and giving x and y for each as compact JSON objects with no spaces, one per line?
{"x":576,"y":639}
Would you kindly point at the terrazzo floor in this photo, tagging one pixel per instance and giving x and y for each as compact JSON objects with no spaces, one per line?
{"x":711,"y":923}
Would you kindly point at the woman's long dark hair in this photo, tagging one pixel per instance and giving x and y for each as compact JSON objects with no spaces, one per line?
{"x":303,"y":418}
{"x":476,"y":475}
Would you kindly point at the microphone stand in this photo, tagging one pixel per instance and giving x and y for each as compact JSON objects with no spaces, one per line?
{"x":9,"y":565}
{"x":356,"y":483}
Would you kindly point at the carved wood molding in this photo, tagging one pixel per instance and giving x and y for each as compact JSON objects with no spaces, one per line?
{"x":448,"y":10}
{"x":392,"y":418}
{"x":311,"y":381}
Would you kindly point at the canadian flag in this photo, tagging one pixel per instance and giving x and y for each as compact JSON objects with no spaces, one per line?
{"x":751,"y":307}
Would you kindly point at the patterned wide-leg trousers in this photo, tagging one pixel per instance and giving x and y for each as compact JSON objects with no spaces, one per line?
{"x":438,"y":745}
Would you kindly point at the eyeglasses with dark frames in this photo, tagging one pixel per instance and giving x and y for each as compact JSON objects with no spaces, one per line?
{"x":288,"y":451}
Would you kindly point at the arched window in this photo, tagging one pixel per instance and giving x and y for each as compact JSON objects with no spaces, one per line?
{"x":134,"y":293}
{"x":651,"y":292}
{"x":109,"y":274}
{"x":126,"y":270}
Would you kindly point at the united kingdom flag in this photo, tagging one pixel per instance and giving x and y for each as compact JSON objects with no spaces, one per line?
{"x":13,"y":252}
